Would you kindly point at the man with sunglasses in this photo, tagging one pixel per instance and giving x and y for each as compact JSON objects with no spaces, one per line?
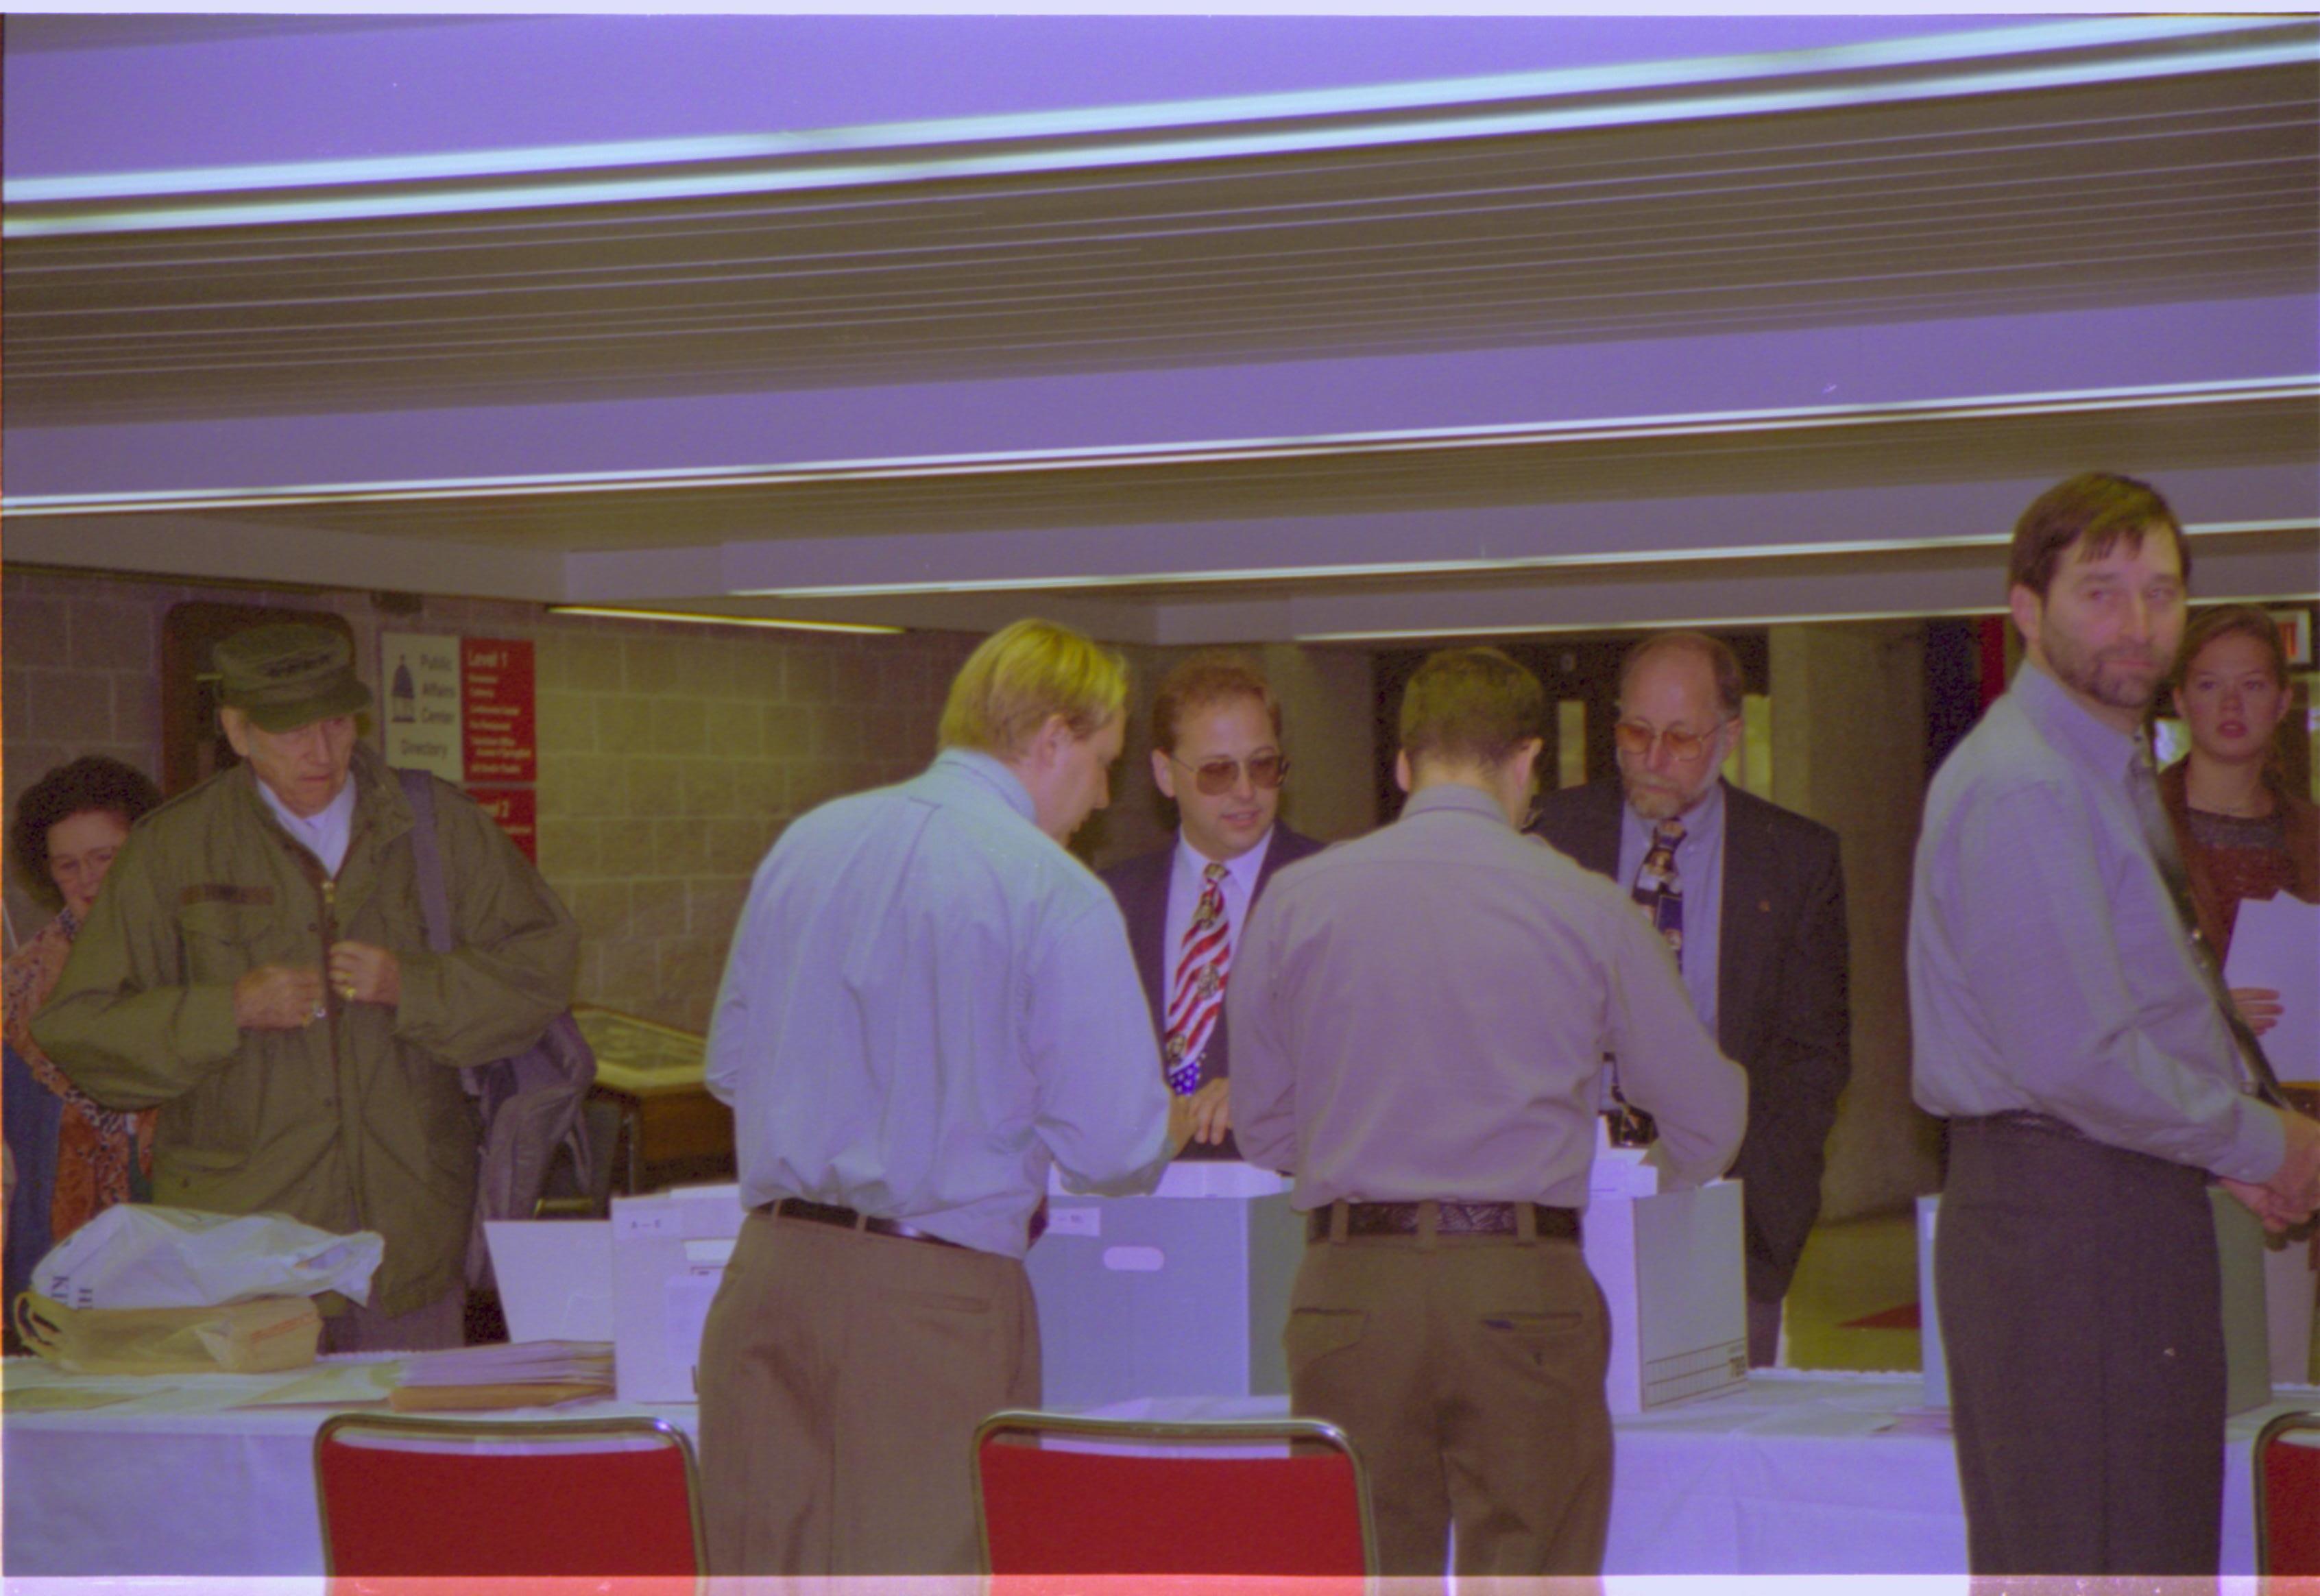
{"x":1757,"y":925}
{"x":1216,"y":733}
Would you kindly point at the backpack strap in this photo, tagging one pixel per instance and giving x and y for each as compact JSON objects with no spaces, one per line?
{"x":434,"y":901}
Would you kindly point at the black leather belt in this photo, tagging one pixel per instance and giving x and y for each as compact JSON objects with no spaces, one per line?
{"x":829,"y":1213}
{"x":1450,"y":1218}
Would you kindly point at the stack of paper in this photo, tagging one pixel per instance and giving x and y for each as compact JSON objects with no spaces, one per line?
{"x":510,"y":1375}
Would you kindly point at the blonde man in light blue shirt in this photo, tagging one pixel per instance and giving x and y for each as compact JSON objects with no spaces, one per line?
{"x":928,"y":1002}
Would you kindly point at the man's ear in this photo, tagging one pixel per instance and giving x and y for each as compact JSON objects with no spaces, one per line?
{"x":1052,"y":741}
{"x":1164,"y":774}
{"x":2028,"y":609}
{"x":1401,"y":770}
{"x":1519,"y":779}
{"x":1528,"y":754}
{"x":236,"y":727}
{"x":1729,"y":737}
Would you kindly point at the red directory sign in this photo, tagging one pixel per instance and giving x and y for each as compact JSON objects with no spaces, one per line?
{"x":517,"y":809}
{"x":500,"y":715}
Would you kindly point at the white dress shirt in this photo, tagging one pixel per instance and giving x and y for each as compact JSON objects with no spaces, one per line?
{"x":1185,"y":881}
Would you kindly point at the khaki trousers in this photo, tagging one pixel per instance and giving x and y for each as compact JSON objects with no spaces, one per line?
{"x":1468,"y":1372}
{"x":842,"y":1375}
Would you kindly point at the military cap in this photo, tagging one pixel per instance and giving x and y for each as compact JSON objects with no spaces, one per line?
{"x":288,"y":675}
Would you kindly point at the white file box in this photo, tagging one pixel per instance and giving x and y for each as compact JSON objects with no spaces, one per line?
{"x":1672,"y":1267}
{"x":1180,"y":1294}
{"x":669,"y":1251}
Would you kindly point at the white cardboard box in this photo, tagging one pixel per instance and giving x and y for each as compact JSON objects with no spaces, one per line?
{"x":2239,"y":1245}
{"x":1671,"y":1265}
{"x":555,"y":1277}
{"x":668,"y":1256}
{"x":1180,"y":1294}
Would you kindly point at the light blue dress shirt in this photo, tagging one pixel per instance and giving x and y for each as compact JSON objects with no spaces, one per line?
{"x":927,"y":1002}
{"x":1700,"y":867}
{"x":2048,"y":968}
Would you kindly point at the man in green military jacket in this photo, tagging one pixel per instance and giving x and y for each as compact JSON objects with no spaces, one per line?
{"x":258,"y":965}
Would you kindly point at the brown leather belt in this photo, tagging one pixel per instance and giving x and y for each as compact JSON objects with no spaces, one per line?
{"x":828,"y":1213}
{"x":1450,"y":1218}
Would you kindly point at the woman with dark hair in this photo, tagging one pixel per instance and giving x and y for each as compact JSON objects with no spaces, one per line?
{"x":72,"y":1156}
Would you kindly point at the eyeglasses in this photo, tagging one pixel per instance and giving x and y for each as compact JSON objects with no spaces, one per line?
{"x":1216,"y":777}
{"x":1635,"y":739}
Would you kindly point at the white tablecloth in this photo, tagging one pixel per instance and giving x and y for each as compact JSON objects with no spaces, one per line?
{"x":1797,"y":1474}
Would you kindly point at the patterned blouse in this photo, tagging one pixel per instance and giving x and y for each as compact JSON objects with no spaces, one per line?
{"x":2245,"y":858}
{"x":96,"y":1146}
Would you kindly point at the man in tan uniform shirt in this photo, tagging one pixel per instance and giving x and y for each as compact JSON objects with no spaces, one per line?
{"x":1425,"y":1013}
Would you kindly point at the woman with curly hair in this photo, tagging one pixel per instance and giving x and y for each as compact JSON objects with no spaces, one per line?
{"x":68,"y":828}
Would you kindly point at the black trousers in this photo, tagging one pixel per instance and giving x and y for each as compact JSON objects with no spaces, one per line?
{"x":2082,"y":1318}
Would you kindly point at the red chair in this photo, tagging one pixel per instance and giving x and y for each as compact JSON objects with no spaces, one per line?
{"x":1263,"y":1499}
{"x":2287,"y":1497}
{"x":406,"y":1499}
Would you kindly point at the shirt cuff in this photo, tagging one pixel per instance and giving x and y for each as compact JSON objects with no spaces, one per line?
{"x":2258,"y":1143}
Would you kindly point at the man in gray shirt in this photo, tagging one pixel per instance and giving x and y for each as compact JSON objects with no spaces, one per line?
{"x":1419,"y":1019}
{"x":2063,"y":1025}
{"x":928,"y":1002}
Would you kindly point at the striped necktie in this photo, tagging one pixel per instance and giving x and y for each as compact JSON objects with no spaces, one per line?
{"x":1197,"y":994}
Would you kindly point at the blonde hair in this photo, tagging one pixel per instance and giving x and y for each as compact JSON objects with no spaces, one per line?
{"x":1018,"y":677}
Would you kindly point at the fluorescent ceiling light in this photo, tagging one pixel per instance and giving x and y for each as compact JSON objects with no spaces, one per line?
{"x":701,"y":620}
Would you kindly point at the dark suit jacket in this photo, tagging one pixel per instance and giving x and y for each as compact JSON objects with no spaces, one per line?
{"x":1141,"y":886}
{"x":1782,"y":1011}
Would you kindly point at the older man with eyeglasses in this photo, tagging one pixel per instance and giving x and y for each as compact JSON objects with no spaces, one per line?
{"x":1749,"y":898}
{"x":1216,"y":733}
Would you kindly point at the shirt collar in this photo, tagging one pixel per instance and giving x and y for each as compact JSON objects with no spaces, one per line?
{"x":1454,"y":796}
{"x":992,"y":772}
{"x":1244,"y":868}
{"x":339,"y":811}
{"x":2068,"y":724}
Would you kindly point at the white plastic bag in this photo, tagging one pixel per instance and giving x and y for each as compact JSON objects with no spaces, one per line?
{"x":134,"y":1255}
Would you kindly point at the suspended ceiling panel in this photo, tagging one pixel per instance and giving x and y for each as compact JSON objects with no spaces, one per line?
{"x":2036,"y":168}
{"x":2210,"y":427}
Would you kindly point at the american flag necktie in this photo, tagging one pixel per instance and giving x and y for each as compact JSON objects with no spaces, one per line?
{"x":1196,"y":995}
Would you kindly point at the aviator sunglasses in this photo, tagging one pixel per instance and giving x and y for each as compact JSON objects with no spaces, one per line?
{"x":1216,"y":777}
